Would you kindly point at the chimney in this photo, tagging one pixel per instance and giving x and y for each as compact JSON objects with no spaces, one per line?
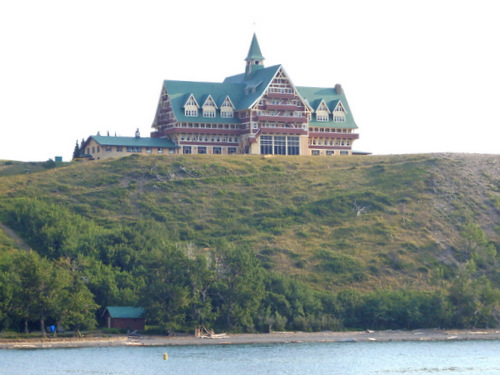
{"x":338,"y":88}
{"x":137,"y":134}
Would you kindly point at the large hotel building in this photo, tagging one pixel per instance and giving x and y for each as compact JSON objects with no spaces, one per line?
{"x":258,"y":112}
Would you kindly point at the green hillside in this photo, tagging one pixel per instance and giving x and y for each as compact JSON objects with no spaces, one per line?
{"x":249,"y":243}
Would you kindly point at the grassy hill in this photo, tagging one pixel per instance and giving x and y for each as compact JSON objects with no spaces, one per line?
{"x":348,"y":223}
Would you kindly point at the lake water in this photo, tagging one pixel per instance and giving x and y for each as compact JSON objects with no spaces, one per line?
{"x":414,"y":358}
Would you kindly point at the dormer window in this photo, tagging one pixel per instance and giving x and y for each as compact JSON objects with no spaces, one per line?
{"x":339,"y":114}
{"x":322,"y":112}
{"x":227,"y":108}
{"x":209,"y":107}
{"x":191,"y":107}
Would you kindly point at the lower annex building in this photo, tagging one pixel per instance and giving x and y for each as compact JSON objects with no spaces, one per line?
{"x":258,"y":112}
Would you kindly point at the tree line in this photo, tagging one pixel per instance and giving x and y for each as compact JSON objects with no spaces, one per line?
{"x":78,"y":267}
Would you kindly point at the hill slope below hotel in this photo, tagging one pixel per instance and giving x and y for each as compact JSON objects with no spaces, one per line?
{"x":262,"y":242}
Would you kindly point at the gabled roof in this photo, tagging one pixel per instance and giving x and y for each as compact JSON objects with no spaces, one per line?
{"x":126,"y":312}
{"x":314,"y":95}
{"x":131,"y":141}
{"x":253,"y":85}
{"x":322,"y":101}
{"x":194,"y":98}
{"x":208,"y":98}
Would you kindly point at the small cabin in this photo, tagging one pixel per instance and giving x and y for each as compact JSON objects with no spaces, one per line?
{"x":125,"y":317}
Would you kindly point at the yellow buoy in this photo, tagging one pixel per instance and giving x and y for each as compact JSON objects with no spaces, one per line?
{"x":165,"y":356}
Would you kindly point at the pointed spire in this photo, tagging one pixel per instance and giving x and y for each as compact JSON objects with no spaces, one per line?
{"x":254,"y":59}
{"x":254,"y":51}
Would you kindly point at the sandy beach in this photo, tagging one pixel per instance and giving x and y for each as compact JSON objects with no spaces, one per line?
{"x":260,"y":338}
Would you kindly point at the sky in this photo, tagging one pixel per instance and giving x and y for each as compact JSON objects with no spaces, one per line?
{"x":420,"y":76}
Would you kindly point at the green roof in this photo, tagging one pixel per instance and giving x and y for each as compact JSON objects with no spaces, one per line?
{"x":244,"y":90}
{"x":126,"y":312}
{"x":180,"y":91}
{"x":314,"y":96}
{"x":254,"y":51}
{"x":133,"y":141}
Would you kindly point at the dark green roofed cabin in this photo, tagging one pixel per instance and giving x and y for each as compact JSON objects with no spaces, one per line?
{"x":125,"y":317}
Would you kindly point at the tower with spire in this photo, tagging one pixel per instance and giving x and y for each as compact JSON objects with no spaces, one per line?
{"x":255,"y":60}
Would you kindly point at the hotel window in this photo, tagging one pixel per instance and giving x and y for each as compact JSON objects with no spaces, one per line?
{"x":227,"y":109}
{"x":134,"y":149}
{"x":315,"y":152}
{"x":293,"y":146}
{"x":322,"y":116}
{"x":208,"y":112}
{"x":148,"y":150}
{"x":160,"y":150}
{"x":191,"y":107}
{"x":344,"y":152}
{"x":330,"y":152}
{"x":280,"y":145}
{"x":217,"y":150}
{"x":231,"y":150}
{"x":209,"y":107}
{"x":119,"y":148}
{"x":186,"y":149}
{"x":339,"y":114}
{"x":266,"y":145}
{"x":202,"y":150}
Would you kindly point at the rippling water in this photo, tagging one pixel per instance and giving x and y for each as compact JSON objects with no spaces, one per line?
{"x":460,"y":357}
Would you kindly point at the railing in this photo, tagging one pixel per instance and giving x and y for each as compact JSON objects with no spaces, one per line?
{"x":298,"y":131}
{"x":300,"y":119}
{"x":333,"y":135}
{"x":179,"y":130}
{"x":282,"y":107}
{"x":286,"y":95}
{"x":342,"y":148}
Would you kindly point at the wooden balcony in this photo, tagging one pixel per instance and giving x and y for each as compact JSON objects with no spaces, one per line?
{"x":298,"y":119}
{"x":280,"y":95}
{"x":335,"y":148}
{"x":282,"y":107}
{"x":178,"y":130}
{"x":333,"y":135}
{"x":294,"y":131}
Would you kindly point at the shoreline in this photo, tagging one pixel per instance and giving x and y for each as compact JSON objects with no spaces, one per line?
{"x":254,"y":338}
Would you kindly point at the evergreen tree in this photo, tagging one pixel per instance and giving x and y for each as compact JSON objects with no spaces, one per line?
{"x":76,"y":151}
